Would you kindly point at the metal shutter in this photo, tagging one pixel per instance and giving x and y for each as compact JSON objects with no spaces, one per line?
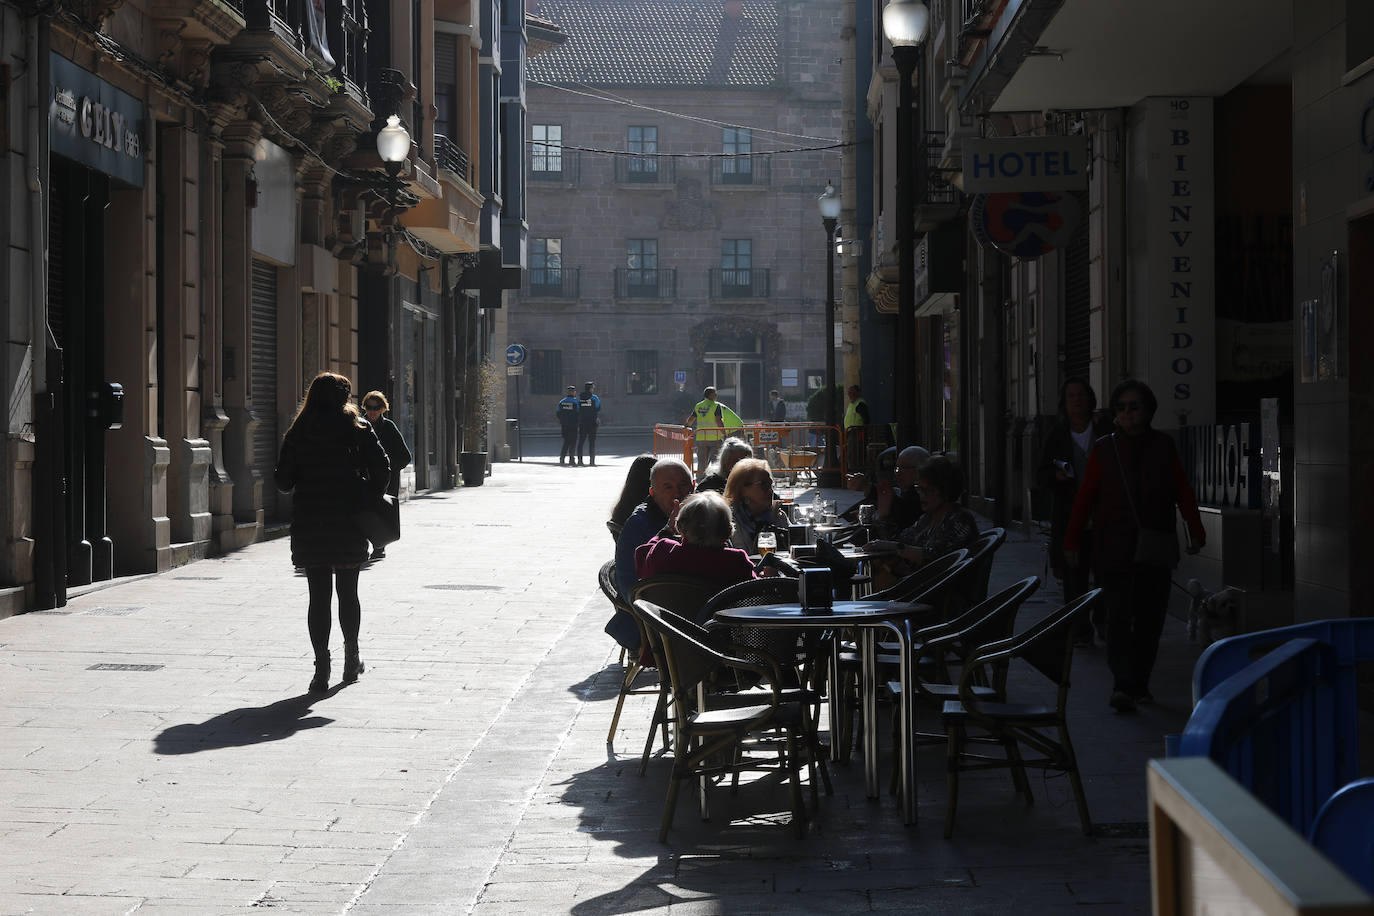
{"x":262,"y":389}
{"x":57,"y":268}
{"x":1077,"y":299}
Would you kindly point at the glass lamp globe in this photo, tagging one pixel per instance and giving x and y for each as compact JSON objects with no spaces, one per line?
{"x":393,"y":141}
{"x":829,"y":202}
{"x":905,"y":22}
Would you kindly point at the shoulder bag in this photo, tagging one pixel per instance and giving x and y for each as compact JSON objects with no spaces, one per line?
{"x":376,"y":514}
{"x":1152,"y":547}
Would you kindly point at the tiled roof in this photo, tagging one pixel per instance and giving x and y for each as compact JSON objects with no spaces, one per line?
{"x":661,"y":43}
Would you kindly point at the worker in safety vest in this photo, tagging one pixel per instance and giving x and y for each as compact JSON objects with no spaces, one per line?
{"x":856,"y":420}
{"x":712,"y":421}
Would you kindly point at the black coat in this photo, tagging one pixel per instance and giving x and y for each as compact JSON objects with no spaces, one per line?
{"x":397,"y":453}
{"x":319,"y":465}
{"x":1059,"y":446}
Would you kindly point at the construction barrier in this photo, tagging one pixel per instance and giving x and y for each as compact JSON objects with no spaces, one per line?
{"x":797,"y":452}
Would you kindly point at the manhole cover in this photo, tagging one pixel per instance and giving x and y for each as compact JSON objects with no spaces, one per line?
{"x":110,"y":611}
{"x":1125,"y":830}
{"x":489,"y":525}
{"x":197,"y":578}
{"x":466,"y":588}
{"x":115,"y":666}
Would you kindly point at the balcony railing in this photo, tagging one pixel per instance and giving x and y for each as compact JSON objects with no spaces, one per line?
{"x":554,"y":283}
{"x":646,"y":170}
{"x":564,"y":168}
{"x":447,"y":155}
{"x":938,"y":192}
{"x":754,"y":171}
{"x":739,"y":283}
{"x":642,"y":283}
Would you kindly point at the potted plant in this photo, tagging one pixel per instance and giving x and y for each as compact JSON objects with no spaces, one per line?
{"x":472,"y":460}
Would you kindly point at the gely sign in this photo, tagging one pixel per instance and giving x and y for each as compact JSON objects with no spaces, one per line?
{"x":1026,"y":164}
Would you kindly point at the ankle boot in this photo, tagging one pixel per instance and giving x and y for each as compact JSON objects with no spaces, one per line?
{"x":353,"y":664}
{"x":320,"y":682}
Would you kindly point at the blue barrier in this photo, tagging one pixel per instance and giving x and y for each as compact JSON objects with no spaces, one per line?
{"x":1344,"y":831}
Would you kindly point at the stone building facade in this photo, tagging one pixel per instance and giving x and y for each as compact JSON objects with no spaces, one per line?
{"x":677,"y":148}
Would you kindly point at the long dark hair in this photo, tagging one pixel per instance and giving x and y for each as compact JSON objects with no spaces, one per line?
{"x":326,"y":398}
{"x":636,"y":489}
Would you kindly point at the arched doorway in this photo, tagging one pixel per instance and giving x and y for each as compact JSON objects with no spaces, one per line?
{"x":737,"y":356}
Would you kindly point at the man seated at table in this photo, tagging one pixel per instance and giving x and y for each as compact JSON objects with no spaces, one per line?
{"x":732,"y":451}
{"x":702,"y":549}
{"x":670,"y":482}
{"x":894,"y":493}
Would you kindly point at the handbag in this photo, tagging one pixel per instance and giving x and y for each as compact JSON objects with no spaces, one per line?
{"x":1152,"y":547}
{"x":376,"y":515}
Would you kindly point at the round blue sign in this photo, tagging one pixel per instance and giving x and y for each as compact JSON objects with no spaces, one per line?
{"x":515,"y":355}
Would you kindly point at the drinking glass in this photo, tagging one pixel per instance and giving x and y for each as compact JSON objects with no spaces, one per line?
{"x":767,"y":543}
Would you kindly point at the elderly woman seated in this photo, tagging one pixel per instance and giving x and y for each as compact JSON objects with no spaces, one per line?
{"x":749,"y":491}
{"x":944,"y":524}
{"x":703,"y":521}
{"x":732,"y":452}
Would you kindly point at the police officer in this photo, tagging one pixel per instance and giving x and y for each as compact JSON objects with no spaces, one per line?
{"x":566,"y":411}
{"x":588,"y":407}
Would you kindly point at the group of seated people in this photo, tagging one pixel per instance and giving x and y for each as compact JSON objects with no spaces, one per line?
{"x":710,"y":530}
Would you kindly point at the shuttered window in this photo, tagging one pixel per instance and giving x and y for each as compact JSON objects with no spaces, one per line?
{"x":1077,"y":301}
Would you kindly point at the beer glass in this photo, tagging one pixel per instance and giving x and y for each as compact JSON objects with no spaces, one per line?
{"x":767,"y":543}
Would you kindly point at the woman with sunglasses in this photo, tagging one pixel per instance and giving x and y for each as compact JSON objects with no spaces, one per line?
{"x":1133,"y":483}
{"x":749,"y":491}
{"x":375,"y":405}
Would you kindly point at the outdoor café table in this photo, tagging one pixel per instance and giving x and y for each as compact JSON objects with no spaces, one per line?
{"x":867,"y":617}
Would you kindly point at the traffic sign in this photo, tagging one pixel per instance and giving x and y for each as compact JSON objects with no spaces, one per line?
{"x":515,"y":370}
{"x":515,"y":355}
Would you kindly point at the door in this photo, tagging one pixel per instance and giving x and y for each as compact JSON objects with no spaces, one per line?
{"x":739,"y":382}
{"x":263,"y":380}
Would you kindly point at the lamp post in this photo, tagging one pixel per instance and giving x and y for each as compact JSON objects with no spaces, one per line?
{"x":829,"y":204}
{"x":393,"y":145}
{"x":905,"y":23}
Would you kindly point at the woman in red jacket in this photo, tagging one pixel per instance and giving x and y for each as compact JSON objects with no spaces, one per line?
{"x":1133,"y":482}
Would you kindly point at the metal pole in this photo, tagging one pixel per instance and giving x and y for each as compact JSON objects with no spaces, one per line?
{"x":903,"y":348}
{"x":831,"y":477}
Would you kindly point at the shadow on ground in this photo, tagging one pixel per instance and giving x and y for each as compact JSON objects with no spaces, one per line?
{"x":242,"y":727}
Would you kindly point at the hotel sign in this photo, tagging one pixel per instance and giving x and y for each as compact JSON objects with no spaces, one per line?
{"x":94,"y":123}
{"x":1026,"y":164}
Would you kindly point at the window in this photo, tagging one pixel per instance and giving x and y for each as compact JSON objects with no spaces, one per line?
{"x":546,"y":149}
{"x":546,"y":267}
{"x":736,"y":263}
{"x":641,"y":262}
{"x":641,"y":372}
{"x":643,"y":140}
{"x":546,"y":372}
{"x":737,"y":142}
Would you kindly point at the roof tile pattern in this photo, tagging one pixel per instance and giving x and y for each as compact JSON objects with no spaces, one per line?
{"x":661,"y":43}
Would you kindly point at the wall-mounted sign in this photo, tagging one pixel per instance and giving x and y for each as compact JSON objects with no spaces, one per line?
{"x":515,"y":355}
{"x":1026,"y":164}
{"x":92,"y":122}
{"x":1025,"y":224}
{"x":1223,"y":464}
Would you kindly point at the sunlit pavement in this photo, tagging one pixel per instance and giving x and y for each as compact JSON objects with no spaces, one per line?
{"x":158,"y":752}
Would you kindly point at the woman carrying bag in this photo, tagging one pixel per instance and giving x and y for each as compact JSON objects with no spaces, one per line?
{"x":1131,"y":487}
{"x":324,"y":456}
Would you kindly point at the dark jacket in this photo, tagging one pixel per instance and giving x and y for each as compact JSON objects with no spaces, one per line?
{"x":397,"y":453}
{"x":1059,"y":447}
{"x":319,"y":465}
{"x":1150,"y":466}
{"x":644,"y":523}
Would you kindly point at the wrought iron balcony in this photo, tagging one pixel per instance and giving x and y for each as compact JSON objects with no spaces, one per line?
{"x":739,"y":283}
{"x":645,"y":170}
{"x":756,"y":171}
{"x":565,"y":167}
{"x":554,"y":282}
{"x":645,"y":283}
{"x":938,"y":192}
{"x":448,"y":155}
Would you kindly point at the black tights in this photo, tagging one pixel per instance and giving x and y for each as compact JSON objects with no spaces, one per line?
{"x":323,"y":582}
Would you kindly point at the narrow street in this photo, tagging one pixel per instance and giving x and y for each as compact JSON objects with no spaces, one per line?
{"x":159,"y":754}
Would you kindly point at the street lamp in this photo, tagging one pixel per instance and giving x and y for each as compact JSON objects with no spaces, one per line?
{"x":829,"y":204}
{"x":393,"y":145}
{"x":905,"y":23}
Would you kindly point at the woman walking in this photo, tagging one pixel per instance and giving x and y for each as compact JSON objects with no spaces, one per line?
{"x":1131,"y":486}
{"x":398,"y":455}
{"x":323,"y":455}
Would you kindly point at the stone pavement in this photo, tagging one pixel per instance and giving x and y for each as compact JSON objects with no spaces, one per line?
{"x":158,"y":753}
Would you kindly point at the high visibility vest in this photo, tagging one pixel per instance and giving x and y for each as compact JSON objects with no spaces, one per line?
{"x":852,"y":416}
{"x":709,"y":428}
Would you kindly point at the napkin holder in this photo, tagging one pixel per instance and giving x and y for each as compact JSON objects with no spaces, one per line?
{"x":816,"y":588}
{"x":798,"y":534}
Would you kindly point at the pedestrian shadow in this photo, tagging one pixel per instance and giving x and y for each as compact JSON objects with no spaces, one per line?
{"x":243,"y":726}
